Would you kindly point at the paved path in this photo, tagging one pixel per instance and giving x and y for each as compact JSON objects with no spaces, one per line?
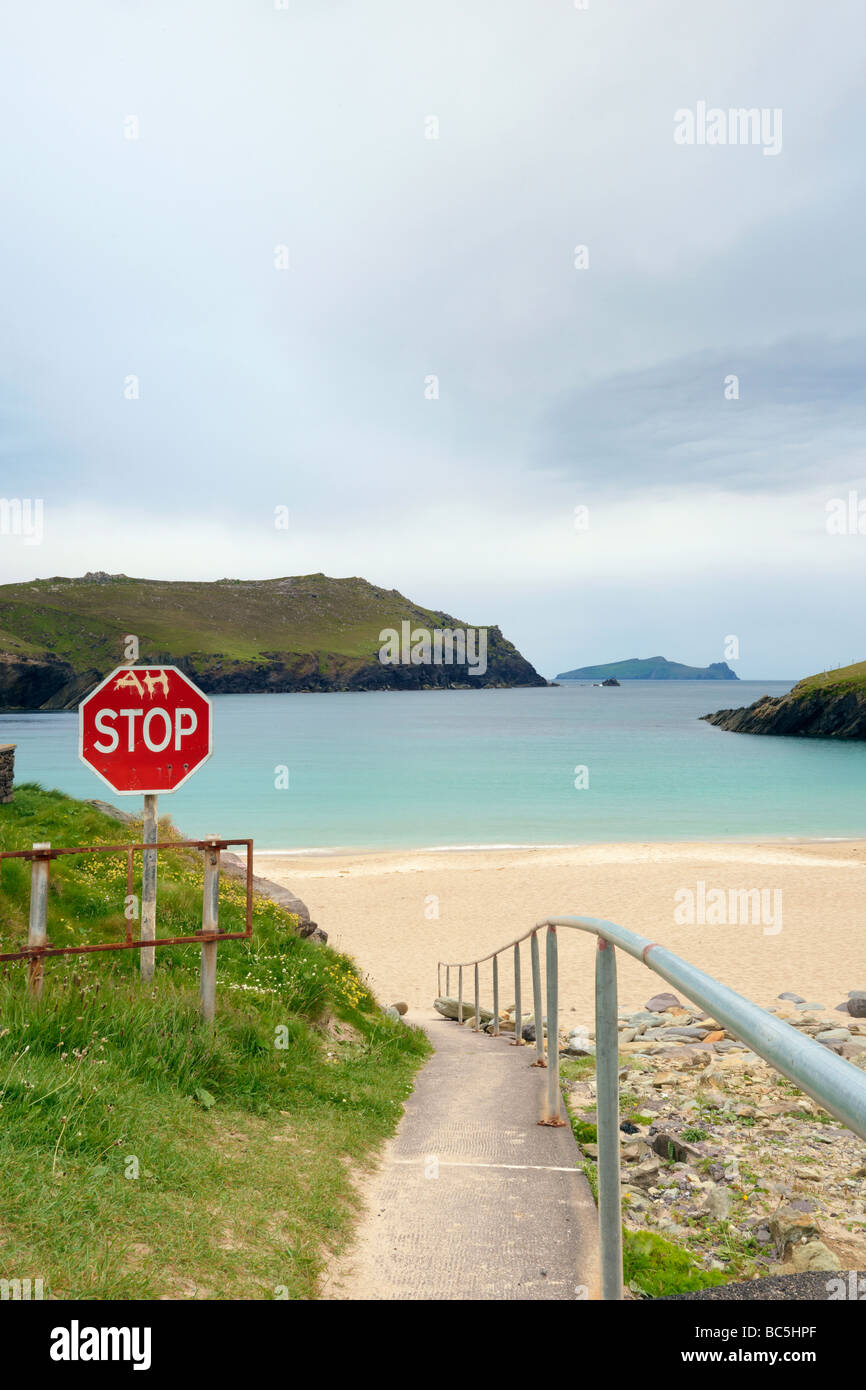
{"x":509,"y":1216}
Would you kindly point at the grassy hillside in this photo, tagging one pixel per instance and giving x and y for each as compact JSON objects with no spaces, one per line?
{"x":79,"y":619}
{"x":57,"y":636}
{"x":141,"y":1156}
{"x":843,"y":680}
{"x":831,"y":704}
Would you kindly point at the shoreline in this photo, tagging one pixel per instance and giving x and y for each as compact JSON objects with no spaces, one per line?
{"x":482,"y":847}
{"x":400,"y":912}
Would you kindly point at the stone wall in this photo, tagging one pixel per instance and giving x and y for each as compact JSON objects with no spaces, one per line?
{"x":7,"y":770}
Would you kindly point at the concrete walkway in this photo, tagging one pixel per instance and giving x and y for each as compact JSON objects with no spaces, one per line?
{"x":474,"y":1199}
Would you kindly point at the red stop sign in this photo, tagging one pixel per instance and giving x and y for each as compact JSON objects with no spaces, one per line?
{"x":145,"y":729}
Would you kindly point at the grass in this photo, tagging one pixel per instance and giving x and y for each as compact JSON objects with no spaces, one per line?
{"x":142,"y":1156}
{"x":332,"y":621}
{"x":576,"y":1068}
{"x":841,"y":679}
{"x":584,"y":1133}
{"x":658,"y":1268}
{"x":693,"y":1134}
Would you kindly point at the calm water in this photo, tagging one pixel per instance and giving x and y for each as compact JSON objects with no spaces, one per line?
{"x":487,"y":767}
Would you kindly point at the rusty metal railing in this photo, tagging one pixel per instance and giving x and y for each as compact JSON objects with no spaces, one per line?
{"x":39,"y":948}
{"x":834,"y":1082}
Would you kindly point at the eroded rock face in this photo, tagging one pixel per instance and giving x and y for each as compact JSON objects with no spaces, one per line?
{"x":283,"y":672}
{"x":817,"y":715}
{"x":28,"y":683}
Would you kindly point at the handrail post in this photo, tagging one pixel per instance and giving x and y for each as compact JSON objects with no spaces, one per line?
{"x":460,"y":995}
{"x":448,"y":981}
{"x":477,"y":1024}
{"x":496,"y":996}
{"x":607,"y":1105}
{"x":439,"y":978}
{"x":518,"y":1010}
{"x":37,"y":933}
{"x":210,"y":923}
{"x":553,"y":1115}
{"x":536,"y":1002}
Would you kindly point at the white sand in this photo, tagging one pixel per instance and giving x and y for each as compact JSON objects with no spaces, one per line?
{"x":379,"y":908}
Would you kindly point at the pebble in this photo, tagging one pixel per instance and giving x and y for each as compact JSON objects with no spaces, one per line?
{"x":687,"y":1034}
{"x":659,"y":1002}
{"x":715,"y":1100}
{"x":690,"y":1081}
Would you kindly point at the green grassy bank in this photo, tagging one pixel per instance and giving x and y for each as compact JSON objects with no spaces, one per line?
{"x":142,"y":1156}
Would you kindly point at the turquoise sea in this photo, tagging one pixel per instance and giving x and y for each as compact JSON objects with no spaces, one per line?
{"x":487,"y":767}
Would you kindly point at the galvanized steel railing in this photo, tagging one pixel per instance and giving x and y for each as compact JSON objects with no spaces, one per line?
{"x":834,"y":1082}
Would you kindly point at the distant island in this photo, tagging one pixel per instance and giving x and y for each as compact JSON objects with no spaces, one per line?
{"x":651,"y":668}
{"x":829,"y":705}
{"x":59,"y":636}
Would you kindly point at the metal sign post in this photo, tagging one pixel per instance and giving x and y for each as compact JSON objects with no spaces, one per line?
{"x":146,"y":729}
{"x":150,"y":836}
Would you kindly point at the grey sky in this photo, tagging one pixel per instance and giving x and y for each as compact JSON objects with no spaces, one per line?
{"x":558,"y":387}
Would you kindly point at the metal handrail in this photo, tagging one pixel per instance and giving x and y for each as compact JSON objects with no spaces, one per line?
{"x":834,"y":1082}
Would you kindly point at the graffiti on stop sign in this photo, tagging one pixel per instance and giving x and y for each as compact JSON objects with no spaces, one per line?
{"x":145,"y":729}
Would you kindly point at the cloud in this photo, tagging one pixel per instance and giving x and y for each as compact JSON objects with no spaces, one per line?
{"x":777,"y":419}
{"x":409,"y":257}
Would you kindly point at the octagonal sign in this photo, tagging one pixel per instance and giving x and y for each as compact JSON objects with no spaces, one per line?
{"x":145,"y":729}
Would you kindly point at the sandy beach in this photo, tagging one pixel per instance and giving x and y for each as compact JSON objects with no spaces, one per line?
{"x":398,"y":913}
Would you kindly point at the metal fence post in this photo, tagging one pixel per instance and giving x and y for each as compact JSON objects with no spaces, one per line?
{"x":210,"y":923}
{"x":496,"y":996}
{"x":553,"y":1115}
{"x":477,"y":1024}
{"x":607,"y":1105}
{"x":448,"y":981}
{"x":149,"y":836}
{"x":37,"y":933}
{"x":536,"y":1002}
{"x":439,"y":979}
{"x":518,"y":1011}
{"x":460,"y":995}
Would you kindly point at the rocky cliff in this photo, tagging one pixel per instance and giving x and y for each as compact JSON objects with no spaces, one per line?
{"x":59,"y":636}
{"x":829,"y":706}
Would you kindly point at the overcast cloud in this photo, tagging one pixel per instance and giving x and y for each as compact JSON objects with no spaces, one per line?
{"x":602,"y":387}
